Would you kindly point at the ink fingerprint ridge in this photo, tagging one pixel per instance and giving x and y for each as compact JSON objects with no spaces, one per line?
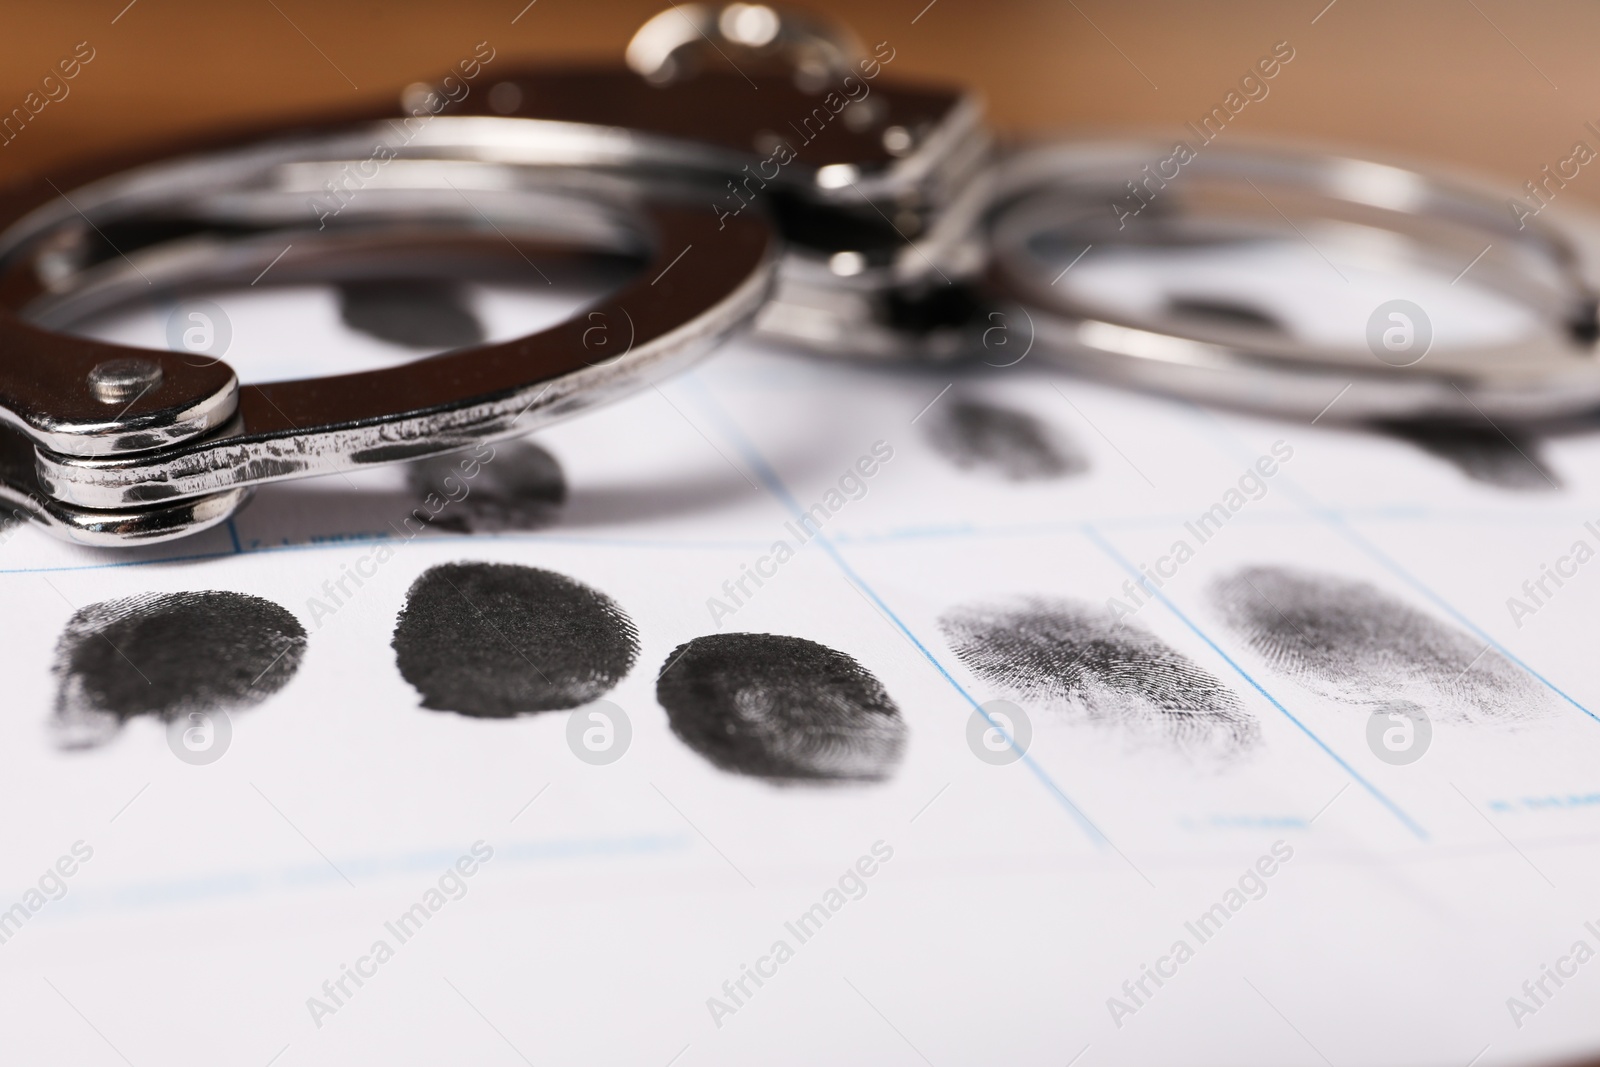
{"x":1073,"y":658}
{"x":781,"y":708}
{"x":495,"y":640}
{"x":517,"y":485}
{"x":988,"y":438}
{"x":1352,"y":642}
{"x":1506,"y":457}
{"x":168,"y":654}
{"x":420,"y":313}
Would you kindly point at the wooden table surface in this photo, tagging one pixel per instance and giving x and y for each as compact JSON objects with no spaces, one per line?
{"x":1499,"y":86}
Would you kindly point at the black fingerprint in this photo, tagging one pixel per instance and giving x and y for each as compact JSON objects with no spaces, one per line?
{"x":512,"y":485}
{"x":496,"y":639}
{"x":781,"y":708}
{"x":1352,"y":642}
{"x":1210,"y":310}
{"x":169,"y":654}
{"x":1509,"y":460}
{"x":1001,"y":442}
{"x":414,"y":312}
{"x":1072,"y":657}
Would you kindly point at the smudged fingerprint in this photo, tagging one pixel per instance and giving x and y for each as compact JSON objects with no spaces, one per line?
{"x":421,"y":313}
{"x":1210,"y":310}
{"x":1074,"y":658}
{"x":1509,"y":460}
{"x":493,"y":640}
{"x":1352,"y":642}
{"x":519,"y":487}
{"x":781,"y":708}
{"x":169,"y":654}
{"x":1001,"y":442}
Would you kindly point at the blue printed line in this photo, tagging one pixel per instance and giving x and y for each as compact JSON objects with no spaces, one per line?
{"x":775,"y":486}
{"x":233,"y":532}
{"x":345,"y":539}
{"x":247,"y":882}
{"x":1376,"y":793}
{"x":110,"y":564}
{"x":443,"y":539}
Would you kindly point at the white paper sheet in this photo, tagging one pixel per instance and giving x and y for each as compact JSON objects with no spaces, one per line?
{"x":1019,"y":899}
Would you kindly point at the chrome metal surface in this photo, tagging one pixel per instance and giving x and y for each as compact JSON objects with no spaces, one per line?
{"x":120,"y":381}
{"x":1050,"y":205}
{"x":450,"y":401}
{"x":901,"y":237}
{"x":100,"y":490}
{"x":21,"y":494}
{"x":692,"y":160}
{"x":680,"y":40}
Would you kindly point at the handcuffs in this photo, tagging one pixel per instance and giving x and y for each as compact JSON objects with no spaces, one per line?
{"x":762,"y":173}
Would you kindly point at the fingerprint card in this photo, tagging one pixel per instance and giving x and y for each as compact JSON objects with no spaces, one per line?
{"x":793,"y":711}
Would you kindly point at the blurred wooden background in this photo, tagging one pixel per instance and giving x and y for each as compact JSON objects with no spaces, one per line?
{"x":1503,"y":86}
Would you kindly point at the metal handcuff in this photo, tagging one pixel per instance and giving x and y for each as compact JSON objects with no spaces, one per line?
{"x":751,"y":158}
